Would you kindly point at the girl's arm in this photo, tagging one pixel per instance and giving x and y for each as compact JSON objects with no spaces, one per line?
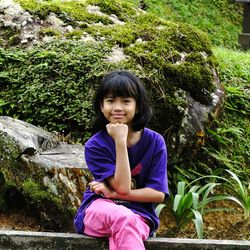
{"x":121,"y":181}
{"x":142,"y":195}
{"x":137,"y":195}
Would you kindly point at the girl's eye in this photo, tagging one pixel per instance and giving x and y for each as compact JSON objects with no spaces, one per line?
{"x":109,"y":100}
{"x":126,"y":100}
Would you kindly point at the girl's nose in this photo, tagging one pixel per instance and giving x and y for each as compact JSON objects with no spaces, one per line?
{"x":117,"y":106}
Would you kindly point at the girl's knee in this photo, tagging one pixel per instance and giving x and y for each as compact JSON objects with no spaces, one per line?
{"x":128,"y":222}
{"x":124,"y":216}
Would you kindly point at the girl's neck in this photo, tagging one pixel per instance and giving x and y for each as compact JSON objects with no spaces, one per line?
{"x":133,"y":137}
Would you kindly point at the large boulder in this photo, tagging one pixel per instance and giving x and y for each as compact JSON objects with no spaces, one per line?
{"x":72,"y":44}
{"x":51,"y":175}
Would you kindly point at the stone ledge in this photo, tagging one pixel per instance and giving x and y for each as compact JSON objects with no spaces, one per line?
{"x":10,"y":239}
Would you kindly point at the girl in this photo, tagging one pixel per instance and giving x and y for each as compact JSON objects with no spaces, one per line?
{"x":128,"y":163}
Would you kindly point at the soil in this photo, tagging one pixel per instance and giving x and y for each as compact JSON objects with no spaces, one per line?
{"x":222,"y":225}
{"x":18,"y":220}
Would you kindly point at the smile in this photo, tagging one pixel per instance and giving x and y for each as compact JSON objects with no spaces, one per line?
{"x":117,"y":116}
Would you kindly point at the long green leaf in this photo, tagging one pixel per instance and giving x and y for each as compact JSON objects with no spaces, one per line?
{"x":204,"y":201}
{"x":186,"y":201}
{"x":159,"y":208}
{"x":177,"y":199}
{"x":194,"y":188}
{"x":195,"y":197}
{"x":181,"y":188}
{"x":235,"y":177}
{"x":198,"y":222}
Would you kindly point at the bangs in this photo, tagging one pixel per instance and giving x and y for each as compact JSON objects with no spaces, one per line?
{"x":120,"y":87}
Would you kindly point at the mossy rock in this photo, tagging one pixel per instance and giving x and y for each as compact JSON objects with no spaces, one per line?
{"x":59,"y":77}
{"x":48,"y":176}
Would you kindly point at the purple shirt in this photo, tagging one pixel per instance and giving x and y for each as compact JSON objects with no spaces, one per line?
{"x":148,"y":163}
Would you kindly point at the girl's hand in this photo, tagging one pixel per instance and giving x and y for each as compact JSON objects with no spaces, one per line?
{"x":118,"y":131}
{"x":101,"y":188}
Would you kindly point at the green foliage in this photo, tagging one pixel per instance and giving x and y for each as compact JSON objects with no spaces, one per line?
{"x":191,"y":201}
{"x":234,"y":66}
{"x":72,"y":12}
{"x":123,"y":10}
{"x":58,"y":80}
{"x":185,"y":207}
{"x":228,"y":140}
{"x":221,"y":20}
{"x":190,"y":204}
{"x":240,"y":191}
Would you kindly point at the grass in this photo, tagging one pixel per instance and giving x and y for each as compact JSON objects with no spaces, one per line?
{"x":221,"y":20}
{"x":229,"y":140}
{"x":234,"y":66}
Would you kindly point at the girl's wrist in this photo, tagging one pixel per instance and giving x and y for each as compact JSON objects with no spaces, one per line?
{"x":121,"y":141}
{"x":114,"y":195}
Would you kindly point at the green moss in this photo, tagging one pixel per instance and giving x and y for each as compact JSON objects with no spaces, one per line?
{"x":191,"y":39}
{"x":73,"y":14}
{"x":75,"y":34}
{"x":148,"y":18}
{"x":122,"y":9}
{"x":49,"y":32}
{"x":39,"y":8}
{"x":196,"y":57}
{"x":69,"y":12}
{"x":39,"y":196}
{"x":193,"y":78}
{"x":8,"y":148}
{"x":34,"y":191}
{"x":40,"y":199}
{"x":122,"y":35}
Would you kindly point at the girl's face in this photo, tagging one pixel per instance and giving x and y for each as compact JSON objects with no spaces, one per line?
{"x":119,"y":109}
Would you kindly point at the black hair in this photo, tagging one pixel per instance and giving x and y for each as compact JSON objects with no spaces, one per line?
{"x":122,"y":83}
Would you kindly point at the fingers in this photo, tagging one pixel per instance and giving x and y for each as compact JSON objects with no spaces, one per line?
{"x":102,"y":189}
{"x":114,"y":126}
{"x":117,"y":130}
{"x":96,"y":187}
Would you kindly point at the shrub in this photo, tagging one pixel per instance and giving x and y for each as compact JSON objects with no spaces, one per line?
{"x":52,"y":87}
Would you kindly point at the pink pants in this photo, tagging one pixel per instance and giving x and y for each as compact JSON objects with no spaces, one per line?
{"x":125,"y":229}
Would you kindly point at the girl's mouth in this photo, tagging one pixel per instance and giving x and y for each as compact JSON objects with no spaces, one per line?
{"x":117,"y":116}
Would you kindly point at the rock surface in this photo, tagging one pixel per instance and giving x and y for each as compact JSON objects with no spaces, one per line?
{"x":51,"y":175}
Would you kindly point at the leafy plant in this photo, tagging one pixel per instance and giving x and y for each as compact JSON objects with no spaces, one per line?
{"x":59,"y":79}
{"x":185,"y":208}
{"x":2,"y":103}
{"x":191,"y":201}
{"x":239,"y":190}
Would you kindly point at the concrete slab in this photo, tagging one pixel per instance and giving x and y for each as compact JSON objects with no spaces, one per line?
{"x":11,"y":239}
